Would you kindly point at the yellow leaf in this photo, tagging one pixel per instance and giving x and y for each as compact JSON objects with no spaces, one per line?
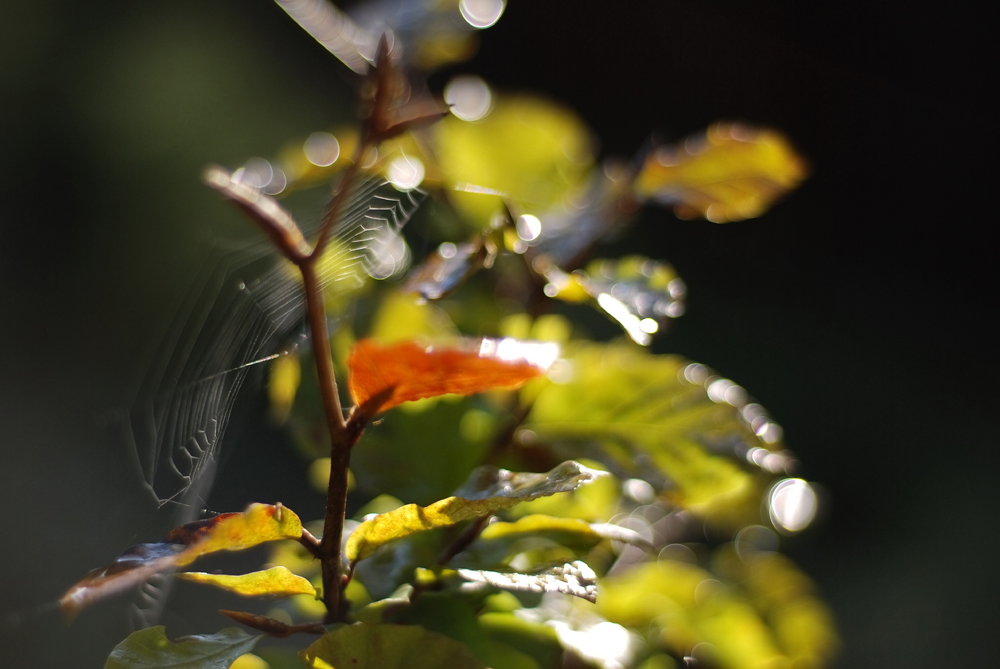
{"x":286,"y":373}
{"x":529,"y":149}
{"x":276,"y":582}
{"x":730,"y":173}
{"x":237,"y":531}
{"x":489,"y":490}
{"x":228,"y":531}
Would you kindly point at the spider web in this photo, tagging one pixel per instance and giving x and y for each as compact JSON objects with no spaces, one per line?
{"x":246,"y":308}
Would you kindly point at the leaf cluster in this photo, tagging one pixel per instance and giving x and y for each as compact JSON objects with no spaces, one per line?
{"x":521,"y":495}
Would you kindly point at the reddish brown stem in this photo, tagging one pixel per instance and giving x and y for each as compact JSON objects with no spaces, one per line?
{"x":340,"y":443}
{"x":464,"y":539}
{"x":332,"y":213}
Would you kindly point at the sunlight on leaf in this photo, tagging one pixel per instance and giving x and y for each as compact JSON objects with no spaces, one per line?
{"x":260,"y":523}
{"x":366,"y":646}
{"x":150,"y":649}
{"x":649,"y":412}
{"x":530,"y":149}
{"x":730,"y":173}
{"x":402,"y":316}
{"x":488,"y":489}
{"x":641,"y":294}
{"x":574,"y":578}
{"x":229,"y":531}
{"x":275,"y":582}
{"x":383,"y":376}
{"x":685,"y":605}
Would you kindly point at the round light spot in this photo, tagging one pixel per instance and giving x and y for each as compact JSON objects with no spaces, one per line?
{"x":469,"y":96}
{"x":322,"y":149}
{"x":528,"y":227}
{"x":405,"y":172}
{"x":481,"y":13}
{"x":792,"y":505}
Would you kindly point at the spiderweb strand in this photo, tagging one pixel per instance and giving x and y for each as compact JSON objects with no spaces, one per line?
{"x":245,"y":309}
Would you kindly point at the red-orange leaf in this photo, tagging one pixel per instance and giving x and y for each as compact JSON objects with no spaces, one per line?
{"x":383,"y":376}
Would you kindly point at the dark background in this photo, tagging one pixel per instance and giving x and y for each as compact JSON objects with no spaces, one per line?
{"x":856,"y":310}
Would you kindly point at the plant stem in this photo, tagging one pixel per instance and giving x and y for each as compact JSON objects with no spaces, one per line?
{"x":340,"y":444}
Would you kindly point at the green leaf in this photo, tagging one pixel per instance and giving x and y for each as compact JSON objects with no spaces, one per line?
{"x":150,"y":649}
{"x":767,"y":616}
{"x":488,"y":489}
{"x":366,"y":646}
{"x":698,"y":429}
{"x":455,"y":614}
{"x":275,"y":582}
{"x":569,"y":530}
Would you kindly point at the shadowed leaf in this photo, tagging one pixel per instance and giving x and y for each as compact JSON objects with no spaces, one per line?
{"x":730,"y":173}
{"x":276,"y":582}
{"x":488,"y":489}
{"x":229,"y":531}
{"x":443,"y":271}
{"x":382,"y":376}
{"x":151,"y":649}
{"x":366,"y":646}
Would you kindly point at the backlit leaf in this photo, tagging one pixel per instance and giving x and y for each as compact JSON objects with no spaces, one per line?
{"x":654,"y":412}
{"x":228,"y":531}
{"x":488,"y":489}
{"x":729,"y":173}
{"x":150,"y":649}
{"x":367,"y":646}
{"x":260,"y":523}
{"x":382,"y":376}
{"x":574,"y":578}
{"x":286,"y":373}
{"x":402,"y":316}
{"x":530,"y":149}
{"x":275,"y":582}
{"x":768,"y":616}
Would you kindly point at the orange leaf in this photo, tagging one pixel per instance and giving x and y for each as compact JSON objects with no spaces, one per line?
{"x":383,"y":376}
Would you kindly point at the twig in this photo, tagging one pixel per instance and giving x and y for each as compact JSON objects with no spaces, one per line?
{"x":273,"y":627}
{"x":464,"y":539}
{"x":311,"y":543}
